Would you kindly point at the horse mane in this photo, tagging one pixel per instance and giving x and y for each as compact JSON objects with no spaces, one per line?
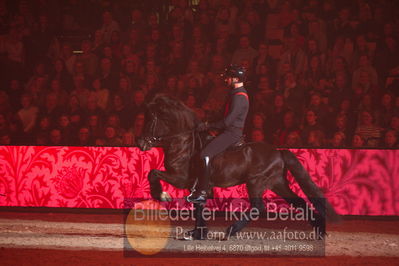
{"x":179,"y":115}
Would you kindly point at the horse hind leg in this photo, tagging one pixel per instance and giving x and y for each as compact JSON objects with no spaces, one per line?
{"x":256,"y":202}
{"x":200,"y":232}
{"x":316,"y":220}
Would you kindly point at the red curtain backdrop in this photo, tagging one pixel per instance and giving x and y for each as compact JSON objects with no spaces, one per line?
{"x":357,"y":182}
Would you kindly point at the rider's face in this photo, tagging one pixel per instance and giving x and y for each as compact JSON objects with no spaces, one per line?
{"x":230,"y":81}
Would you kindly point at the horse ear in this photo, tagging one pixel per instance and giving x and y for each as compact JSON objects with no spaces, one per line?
{"x":154,"y":108}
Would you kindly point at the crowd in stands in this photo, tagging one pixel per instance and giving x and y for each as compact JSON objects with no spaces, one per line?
{"x":320,"y":73}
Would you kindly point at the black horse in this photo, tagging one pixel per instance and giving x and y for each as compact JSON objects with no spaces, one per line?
{"x":171,"y":125}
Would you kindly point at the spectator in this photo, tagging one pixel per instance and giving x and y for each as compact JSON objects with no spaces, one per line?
{"x":394,"y":124}
{"x":5,"y":107}
{"x":311,"y":124}
{"x":244,"y":52}
{"x":289,"y":125}
{"x":132,"y":68}
{"x":10,"y":99}
{"x":391,"y":139}
{"x":98,"y":42}
{"x":323,"y":111}
{"x":61,"y":74}
{"x":28,"y":114}
{"x":264,"y":94}
{"x":362,"y":49}
{"x":138,"y":125}
{"x":69,"y":58}
{"x":119,"y":108}
{"x":365,"y":76}
{"x":257,"y":135}
{"x":84,"y":138}
{"x":14,"y":49}
{"x":314,"y":74}
{"x":221,"y":48}
{"x":170,"y":88}
{"x":294,"y":31}
{"x":100,"y":93}
{"x":138,"y":103}
{"x":56,"y":137}
{"x":342,"y":126}
{"x":109,"y":26}
{"x":191,"y":102}
{"x":293,"y":140}
{"x":95,"y":126}
{"x":339,"y":89}
{"x":386,"y":110}
{"x":128,"y":139}
{"x":343,"y":56}
{"x":4,"y":124}
{"x":93,"y":108}
{"x":258,"y":123}
{"x":316,"y":139}
{"x":81,"y":91}
{"x":358,"y":141}
{"x":313,"y":49}
{"x":109,"y":54}
{"x":137,"y":19}
{"x":42,"y":130}
{"x":65,"y":127}
{"x":41,"y":39}
{"x":294,"y":56}
{"x":110,"y":137}
{"x":368,"y":130}
{"x":339,"y":66}
{"x":194,"y":71}
{"x":338,"y":140}
{"x":116,"y":44}
{"x":75,"y":112}
{"x":293,"y":93}
{"x":366,"y":104}
{"x":5,"y":138}
{"x":88,"y":58}
{"x":61,"y":94}
{"x":125,"y":90}
{"x":387,"y":57}
{"x":107,"y":76}
{"x":175,"y":61}
{"x":114,"y":121}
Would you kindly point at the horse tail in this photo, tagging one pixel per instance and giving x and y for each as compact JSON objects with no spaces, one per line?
{"x":311,"y":190}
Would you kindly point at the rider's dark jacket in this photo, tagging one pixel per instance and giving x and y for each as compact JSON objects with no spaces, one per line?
{"x":232,"y":125}
{"x":236,"y":111}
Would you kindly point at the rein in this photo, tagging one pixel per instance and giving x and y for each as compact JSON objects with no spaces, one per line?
{"x":153,"y":140}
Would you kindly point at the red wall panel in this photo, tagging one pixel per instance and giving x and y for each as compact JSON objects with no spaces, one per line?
{"x":357,"y":182}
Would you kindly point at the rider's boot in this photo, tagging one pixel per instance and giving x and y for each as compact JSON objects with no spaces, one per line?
{"x":199,"y":193}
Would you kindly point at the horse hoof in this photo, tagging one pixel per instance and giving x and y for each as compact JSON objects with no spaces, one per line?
{"x":196,"y":234}
{"x":188,"y":238}
{"x":165,"y":196}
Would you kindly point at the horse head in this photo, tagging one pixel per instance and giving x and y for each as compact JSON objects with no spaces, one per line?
{"x":165,"y":118}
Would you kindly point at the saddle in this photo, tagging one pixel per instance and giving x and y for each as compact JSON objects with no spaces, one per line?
{"x":235,"y":146}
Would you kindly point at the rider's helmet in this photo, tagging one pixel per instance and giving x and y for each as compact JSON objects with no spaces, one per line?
{"x":235,"y":71}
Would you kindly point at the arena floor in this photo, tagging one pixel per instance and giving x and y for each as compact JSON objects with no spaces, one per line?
{"x":53,"y":237}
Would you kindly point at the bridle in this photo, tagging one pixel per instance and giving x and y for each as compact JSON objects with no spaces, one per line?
{"x":153,"y":140}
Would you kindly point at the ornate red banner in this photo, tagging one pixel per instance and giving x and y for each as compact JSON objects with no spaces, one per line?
{"x":357,"y":182}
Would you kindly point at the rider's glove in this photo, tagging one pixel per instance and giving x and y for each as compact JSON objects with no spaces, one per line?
{"x":204,"y":126}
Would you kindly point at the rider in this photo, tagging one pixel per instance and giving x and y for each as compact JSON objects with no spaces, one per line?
{"x":232,"y":126}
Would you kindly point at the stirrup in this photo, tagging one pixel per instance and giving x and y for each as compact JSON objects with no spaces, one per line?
{"x":200,"y":198}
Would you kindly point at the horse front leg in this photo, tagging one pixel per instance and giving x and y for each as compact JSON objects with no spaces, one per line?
{"x":257,"y":207}
{"x":177,"y":179}
{"x":154,"y":179}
